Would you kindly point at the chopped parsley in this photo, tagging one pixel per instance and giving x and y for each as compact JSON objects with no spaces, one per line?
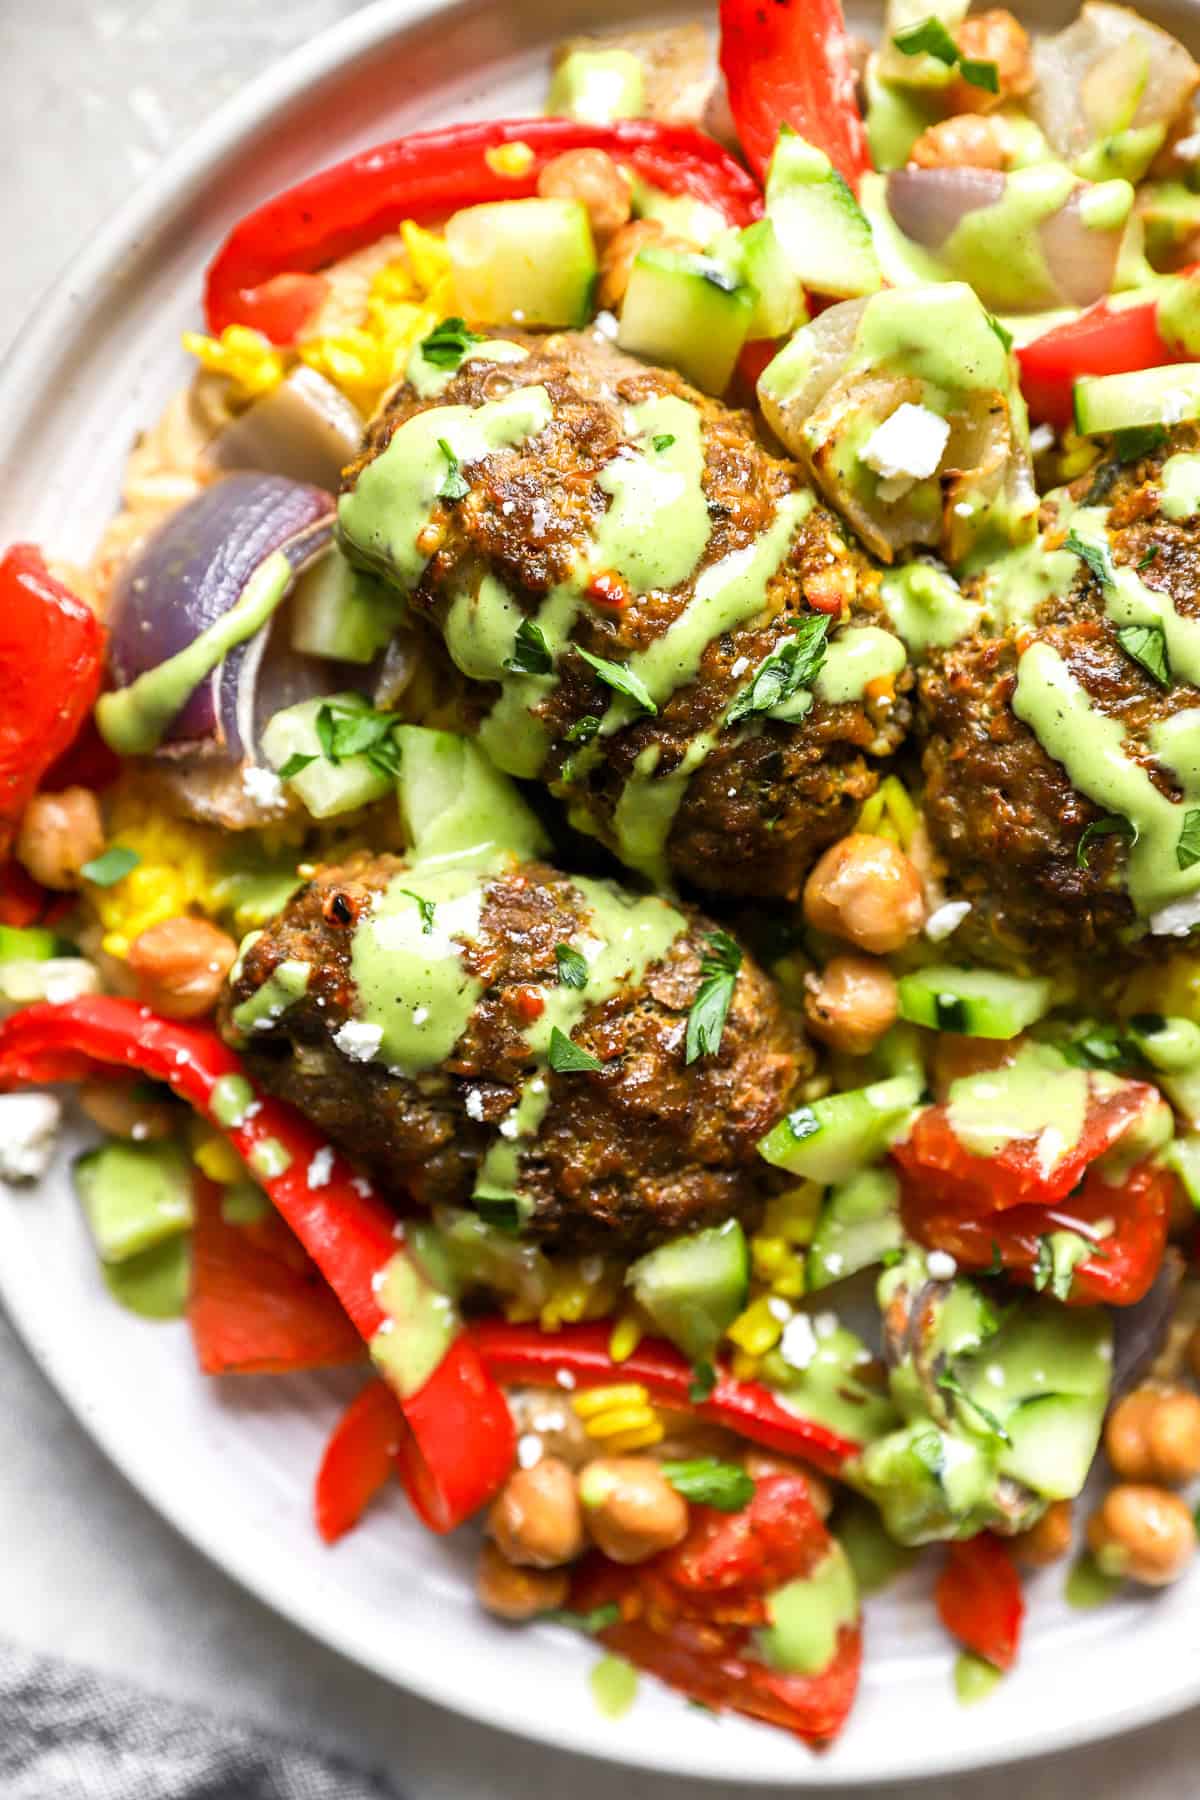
{"x":295,"y":765}
{"x":344,"y":731}
{"x":1102,"y":1047}
{"x":502,"y":1211}
{"x":794,"y":665}
{"x":1094,"y":555}
{"x":530,"y":651}
{"x":448,"y":343}
{"x":426,"y":908}
{"x":931,"y":38}
{"x":621,"y":679}
{"x":112,"y":866}
{"x":566,"y":1058}
{"x":572,"y":967}
{"x":979,"y":74}
{"x":1187,"y":850}
{"x":1112,"y":826}
{"x":583,"y":730}
{"x":1145,"y":561}
{"x":663,"y":441}
{"x":718,"y":976}
{"x":704,"y":1380}
{"x":598,"y":1619}
{"x":725,"y":1486}
{"x":455,"y":485}
{"x":1147,"y":645}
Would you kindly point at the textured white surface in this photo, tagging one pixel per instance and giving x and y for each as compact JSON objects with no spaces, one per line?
{"x":91,"y":96}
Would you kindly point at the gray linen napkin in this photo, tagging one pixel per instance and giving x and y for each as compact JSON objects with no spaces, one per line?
{"x":69,"y":1734}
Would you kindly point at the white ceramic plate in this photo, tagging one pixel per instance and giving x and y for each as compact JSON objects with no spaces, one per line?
{"x":231,"y":1463}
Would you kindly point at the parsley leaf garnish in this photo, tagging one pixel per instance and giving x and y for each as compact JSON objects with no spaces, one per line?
{"x":111,"y":866}
{"x":979,"y":74}
{"x":794,"y":665}
{"x":704,"y":1380}
{"x":583,"y":730}
{"x":1145,"y":561}
{"x":448,"y":343}
{"x":718,"y":976}
{"x":621,"y":679}
{"x":664,"y":440}
{"x":1094,"y":555}
{"x":455,"y":485}
{"x":344,"y":731}
{"x":1187,"y":850}
{"x":530,"y":652}
{"x":1112,"y":826}
{"x":1147,"y":645}
{"x":294,"y":765}
{"x":572,"y":968}
{"x":709,"y":1482}
{"x":426,"y":908}
{"x":932,"y":37}
{"x":566,"y":1058}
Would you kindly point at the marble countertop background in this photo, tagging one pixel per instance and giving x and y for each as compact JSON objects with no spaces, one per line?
{"x":92,"y":94}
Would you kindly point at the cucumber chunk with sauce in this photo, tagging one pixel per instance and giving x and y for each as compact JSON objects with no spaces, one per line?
{"x":859,"y":1224}
{"x":454,"y":802}
{"x":694,"y":1287}
{"x":134,"y":1196}
{"x":1164,"y":396}
{"x":523,"y":262}
{"x":821,"y":228}
{"x":974,"y":1002}
{"x":343,"y":613}
{"x":326,"y":788}
{"x":835,"y":1137}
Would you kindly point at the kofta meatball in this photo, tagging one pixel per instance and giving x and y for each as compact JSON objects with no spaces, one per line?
{"x":630,"y":1148}
{"x":507,"y":544}
{"x":1004,"y":814}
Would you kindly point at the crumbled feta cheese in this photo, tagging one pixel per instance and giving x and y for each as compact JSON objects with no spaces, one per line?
{"x":263,"y":787}
{"x":1178,"y":919}
{"x":530,"y":1450}
{"x":554,"y":1420}
{"x":607,"y":325}
{"x":798,"y":1345}
{"x":320,"y":1168}
{"x":740,"y":667}
{"x":29,"y":1126}
{"x":508,"y":508}
{"x":358,"y":1040}
{"x":67,"y":978}
{"x":474,"y":1105}
{"x":834,"y":1263}
{"x":564,"y":1378}
{"x":779,"y":1309}
{"x":1041,"y":438}
{"x":825,"y":1324}
{"x":907,"y":447}
{"x":420,"y":1014}
{"x":943,"y":921}
{"x":510,"y":1127}
{"x":941,"y":1265}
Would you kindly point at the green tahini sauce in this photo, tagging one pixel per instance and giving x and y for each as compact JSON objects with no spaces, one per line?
{"x":806,"y":1616}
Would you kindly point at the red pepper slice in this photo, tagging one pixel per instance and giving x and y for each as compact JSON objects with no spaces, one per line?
{"x":950,"y":1178}
{"x":435,"y":172}
{"x":1104,"y":340}
{"x":787,"y":62}
{"x":979,"y":1598}
{"x":358,"y":1461}
{"x":281,"y":307}
{"x":517,"y":1353}
{"x":344,"y":1225}
{"x":1125,"y":1261}
{"x":51,"y":657}
{"x":687,"y":1616}
{"x":258,"y":1304}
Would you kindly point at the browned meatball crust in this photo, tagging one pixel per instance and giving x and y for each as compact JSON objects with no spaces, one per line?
{"x":766,"y":801}
{"x":624,"y":1157}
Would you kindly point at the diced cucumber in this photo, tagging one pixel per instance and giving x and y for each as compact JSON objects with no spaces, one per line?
{"x":687,"y":311}
{"x":1052,"y":1441}
{"x":834,"y":1138}
{"x":1163,"y":396}
{"x":453,"y":801}
{"x":694,"y":1287}
{"x":325,"y":788}
{"x":134,"y":1196}
{"x":597,"y":86}
{"x":56,"y":978}
{"x":922,"y":70}
{"x":342,"y":612}
{"x":28,"y":943}
{"x":1183,"y":1091}
{"x":523,"y":262}
{"x":973,"y":1002}
{"x":859,"y":1223}
{"x":756,"y":256}
{"x":681,"y":215}
{"x":1172,"y":1046}
{"x":821,"y":228}
{"x":1182,"y":1155}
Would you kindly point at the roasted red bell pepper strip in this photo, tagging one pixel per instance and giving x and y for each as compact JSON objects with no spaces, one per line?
{"x":688,"y":1616}
{"x":435,"y":172}
{"x":788,"y":62}
{"x":979,"y":1598}
{"x":522,"y":1353}
{"x":51,"y":658}
{"x":1119,"y":1272}
{"x":347,"y":1229}
{"x":951,"y":1178}
{"x":281,"y":307}
{"x":359,"y":1460}
{"x":1108,"y":339}
{"x":258,"y":1304}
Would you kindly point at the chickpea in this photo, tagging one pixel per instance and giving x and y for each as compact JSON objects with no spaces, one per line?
{"x":181,"y":965}
{"x":594,"y":178}
{"x":536,"y":1518}
{"x":1144,"y":1533}
{"x":632,"y":1510}
{"x":113,"y":1107}
{"x":58,"y":834}
{"x":851,"y":1003}
{"x":760,"y":1465}
{"x":994,"y":37}
{"x":617,"y":257}
{"x":513,"y":1593}
{"x":1153,"y":1435}
{"x":1046,"y":1541}
{"x":865,"y":889}
{"x":966,"y":141}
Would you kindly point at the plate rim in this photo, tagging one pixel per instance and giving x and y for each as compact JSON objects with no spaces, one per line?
{"x":84,"y":285}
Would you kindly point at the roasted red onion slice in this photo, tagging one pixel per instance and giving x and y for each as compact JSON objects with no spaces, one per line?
{"x":189,"y":574}
{"x":1110,"y":71}
{"x":304,"y":429}
{"x":927,"y":204}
